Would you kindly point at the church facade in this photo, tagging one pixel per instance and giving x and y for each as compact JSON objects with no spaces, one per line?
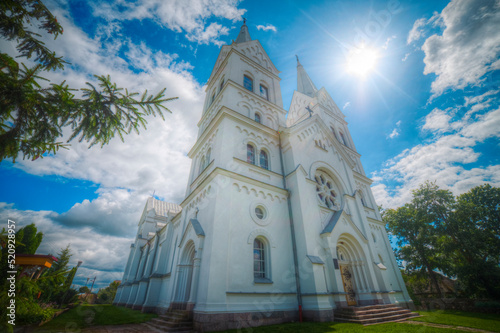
{"x":278,"y":221}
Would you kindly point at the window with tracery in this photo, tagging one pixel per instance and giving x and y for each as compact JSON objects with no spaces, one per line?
{"x":325,"y":190}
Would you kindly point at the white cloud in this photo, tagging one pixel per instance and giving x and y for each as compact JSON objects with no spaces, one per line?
{"x":103,"y":256}
{"x":100,"y":231}
{"x":444,"y":158}
{"x":346,"y":105}
{"x":395,"y":131}
{"x":189,"y":16}
{"x":416,"y":32}
{"x":267,"y":27}
{"x":386,"y":44}
{"x":468,"y":47}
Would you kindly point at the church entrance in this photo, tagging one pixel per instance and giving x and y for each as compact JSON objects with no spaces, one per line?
{"x":347,"y":281}
{"x":352,"y":268}
{"x":184,"y":278}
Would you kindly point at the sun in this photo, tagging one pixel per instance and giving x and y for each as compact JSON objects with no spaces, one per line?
{"x":361,"y":60}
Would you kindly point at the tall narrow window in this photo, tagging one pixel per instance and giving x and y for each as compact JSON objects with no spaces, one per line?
{"x":213,"y":99}
{"x":221,"y":85}
{"x":264,"y":160}
{"x":259,"y":259}
{"x":207,"y":159}
{"x":342,"y":138}
{"x":257,"y":117}
{"x":264,"y":92}
{"x":248,"y":83}
{"x":202,"y":164}
{"x":250,"y":154}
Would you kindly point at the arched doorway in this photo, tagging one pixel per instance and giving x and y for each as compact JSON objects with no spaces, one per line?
{"x":184,"y":277}
{"x":352,"y":268}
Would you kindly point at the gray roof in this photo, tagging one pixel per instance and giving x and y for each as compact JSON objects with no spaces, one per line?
{"x":161,"y":207}
{"x":304,"y":82}
{"x":244,"y":35}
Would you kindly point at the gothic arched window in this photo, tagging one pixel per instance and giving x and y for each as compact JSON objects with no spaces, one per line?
{"x":207,"y":158}
{"x":250,"y":154}
{"x":259,"y":259}
{"x":221,"y":85}
{"x":264,"y":163}
{"x":257,"y":117}
{"x":264,"y":92}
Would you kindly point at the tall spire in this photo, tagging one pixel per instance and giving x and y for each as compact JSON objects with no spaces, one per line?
{"x":304,"y":82}
{"x":244,"y":36}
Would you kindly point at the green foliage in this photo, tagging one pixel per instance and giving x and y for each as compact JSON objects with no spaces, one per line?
{"x":416,"y":227}
{"x":29,"y":239}
{"x":32,"y":115}
{"x":459,"y":237}
{"x":84,"y":290}
{"x":107,"y":295}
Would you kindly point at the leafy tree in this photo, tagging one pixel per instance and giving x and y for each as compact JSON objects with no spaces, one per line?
{"x":29,"y":239}
{"x":84,"y":290}
{"x":32,"y":116}
{"x":53,"y":281}
{"x":107,"y":295}
{"x":416,"y":227}
{"x":473,"y":229}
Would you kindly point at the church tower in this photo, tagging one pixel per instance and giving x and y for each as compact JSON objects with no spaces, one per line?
{"x":278,"y":221}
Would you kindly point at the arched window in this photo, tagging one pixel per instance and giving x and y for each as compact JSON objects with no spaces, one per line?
{"x":250,"y":154}
{"x":207,"y":158}
{"x":257,"y":117}
{"x":213,"y":98}
{"x":248,"y":82}
{"x":202,"y":164}
{"x":264,"y":160}
{"x":259,"y":259}
{"x":221,"y":85}
{"x":342,"y":138}
{"x":264,"y":92}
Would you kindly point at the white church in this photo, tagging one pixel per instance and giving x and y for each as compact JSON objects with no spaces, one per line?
{"x":278,"y":223}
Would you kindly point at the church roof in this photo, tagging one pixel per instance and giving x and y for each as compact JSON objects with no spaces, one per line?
{"x":161,"y":207}
{"x":304,"y":82}
{"x":244,"y":35}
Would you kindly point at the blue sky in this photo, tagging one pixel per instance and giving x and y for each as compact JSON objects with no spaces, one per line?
{"x":428,"y":110}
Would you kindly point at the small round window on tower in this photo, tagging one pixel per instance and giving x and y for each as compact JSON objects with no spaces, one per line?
{"x":259,"y":212}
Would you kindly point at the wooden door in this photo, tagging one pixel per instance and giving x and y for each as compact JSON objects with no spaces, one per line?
{"x":347,"y":280}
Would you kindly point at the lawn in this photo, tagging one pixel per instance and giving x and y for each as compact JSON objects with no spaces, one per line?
{"x":93,"y":315}
{"x":309,"y":327}
{"x":488,"y":322}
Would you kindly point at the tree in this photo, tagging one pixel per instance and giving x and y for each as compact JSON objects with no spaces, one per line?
{"x":29,"y":239}
{"x":84,"y":290}
{"x":53,"y":281}
{"x":107,"y":295}
{"x":416,"y":227}
{"x":32,"y":116}
{"x":473,"y":230}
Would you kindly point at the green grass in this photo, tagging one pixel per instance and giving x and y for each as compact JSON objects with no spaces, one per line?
{"x":94,"y":315}
{"x":309,"y":327}
{"x":488,"y":322}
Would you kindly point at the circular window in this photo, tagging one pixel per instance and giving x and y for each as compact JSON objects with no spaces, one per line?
{"x":326,"y":192}
{"x":259,"y":212}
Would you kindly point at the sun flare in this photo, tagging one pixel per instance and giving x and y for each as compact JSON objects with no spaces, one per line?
{"x":362,"y":60}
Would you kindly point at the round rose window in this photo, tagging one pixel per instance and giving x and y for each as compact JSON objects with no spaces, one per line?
{"x":325,"y":190}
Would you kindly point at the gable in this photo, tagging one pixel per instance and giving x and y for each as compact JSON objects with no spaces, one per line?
{"x":254,"y":51}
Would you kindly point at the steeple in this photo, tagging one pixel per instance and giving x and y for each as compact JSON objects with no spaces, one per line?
{"x":304,"y":83}
{"x":244,"y":36}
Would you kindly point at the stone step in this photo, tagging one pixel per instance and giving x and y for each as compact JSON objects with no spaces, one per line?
{"x":371,"y":315}
{"x":378,"y":320}
{"x":172,"y":317}
{"x":369,"y":307}
{"x":153,"y":329}
{"x":169,"y":323}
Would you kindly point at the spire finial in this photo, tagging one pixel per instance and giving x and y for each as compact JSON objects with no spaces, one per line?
{"x":244,"y":21}
{"x":298,"y":62}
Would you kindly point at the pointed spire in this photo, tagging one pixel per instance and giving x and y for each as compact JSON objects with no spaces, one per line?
{"x":304,"y":82}
{"x":244,"y":36}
